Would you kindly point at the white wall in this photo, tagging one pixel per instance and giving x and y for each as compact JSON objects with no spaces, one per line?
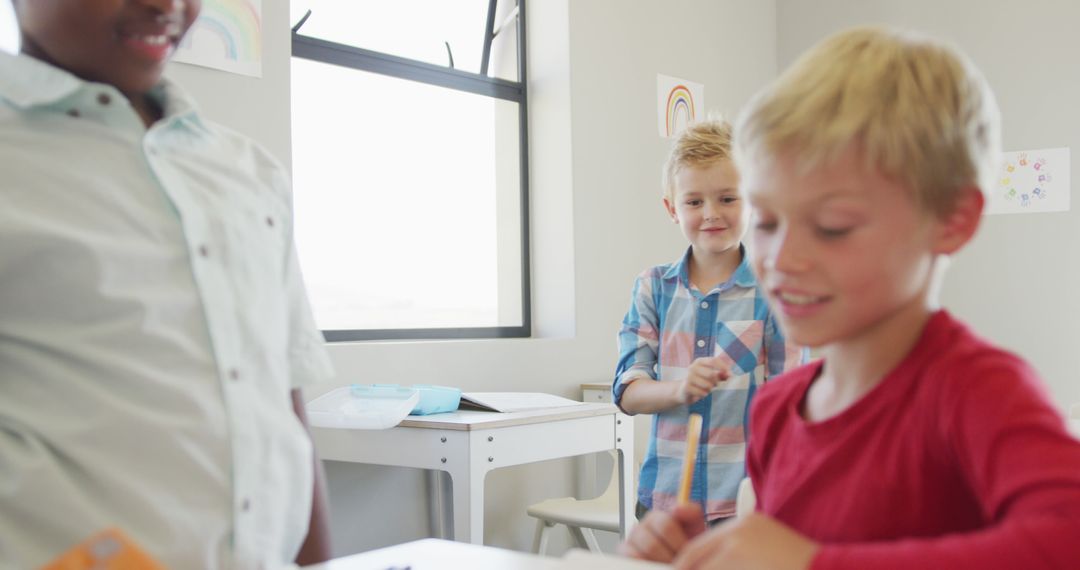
{"x":1018,"y":282}
{"x":597,"y":221}
{"x":9,"y":28}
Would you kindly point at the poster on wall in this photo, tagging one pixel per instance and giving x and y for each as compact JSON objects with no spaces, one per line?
{"x":227,"y":36}
{"x":679,"y":102}
{"x":1031,"y":181}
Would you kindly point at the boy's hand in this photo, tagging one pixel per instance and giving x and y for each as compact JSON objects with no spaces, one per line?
{"x":660,"y":536}
{"x":752,"y":542}
{"x":704,"y":374}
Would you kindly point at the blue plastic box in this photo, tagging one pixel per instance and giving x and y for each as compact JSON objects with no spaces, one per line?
{"x":435,"y":399}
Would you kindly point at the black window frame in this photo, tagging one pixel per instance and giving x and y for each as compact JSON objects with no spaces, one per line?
{"x":352,"y":57}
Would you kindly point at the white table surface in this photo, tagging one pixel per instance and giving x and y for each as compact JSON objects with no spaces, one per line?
{"x":469,"y":444}
{"x":434,"y":554}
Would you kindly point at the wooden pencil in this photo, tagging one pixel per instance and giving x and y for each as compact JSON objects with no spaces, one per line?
{"x":693,"y":435}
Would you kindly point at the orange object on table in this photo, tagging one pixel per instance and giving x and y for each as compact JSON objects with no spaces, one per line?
{"x":111,"y":549}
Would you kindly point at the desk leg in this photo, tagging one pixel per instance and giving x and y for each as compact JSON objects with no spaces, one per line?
{"x":440,"y":517}
{"x":468,"y":505}
{"x":624,"y":443}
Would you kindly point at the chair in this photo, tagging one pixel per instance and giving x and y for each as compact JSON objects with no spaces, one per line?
{"x":602,"y":513}
{"x":746,"y":500}
{"x":579,"y":516}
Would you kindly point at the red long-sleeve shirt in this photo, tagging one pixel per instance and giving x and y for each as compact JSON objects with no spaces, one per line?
{"x":955,"y":460}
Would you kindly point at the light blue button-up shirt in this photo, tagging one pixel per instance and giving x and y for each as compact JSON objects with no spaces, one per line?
{"x":152,"y":325}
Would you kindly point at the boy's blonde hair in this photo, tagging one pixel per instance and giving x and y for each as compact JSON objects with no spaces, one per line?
{"x":703,"y":143}
{"x":915,"y":108}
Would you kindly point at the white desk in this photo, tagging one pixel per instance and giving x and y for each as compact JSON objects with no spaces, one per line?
{"x":467,"y":445}
{"x":596,"y":392}
{"x":433,"y":554}
{"x":591,"y":484}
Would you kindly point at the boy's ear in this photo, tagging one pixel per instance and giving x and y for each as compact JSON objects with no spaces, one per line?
{"x":959,"y":226}
{"x":670,"y":210}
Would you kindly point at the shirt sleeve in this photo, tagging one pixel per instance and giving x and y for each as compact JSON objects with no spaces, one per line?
{"x":639,"y":340}
{"x":1022,"y":466}
{"x":309,"y":362}
{"x":780,"y":354}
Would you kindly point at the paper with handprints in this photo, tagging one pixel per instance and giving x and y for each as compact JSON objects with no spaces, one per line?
{"x":1031,"y":181}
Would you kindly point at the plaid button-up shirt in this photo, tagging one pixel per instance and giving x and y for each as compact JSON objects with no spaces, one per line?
{"x":668,"y":326}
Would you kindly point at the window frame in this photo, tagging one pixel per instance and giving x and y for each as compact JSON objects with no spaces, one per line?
{"x":352,"y":57}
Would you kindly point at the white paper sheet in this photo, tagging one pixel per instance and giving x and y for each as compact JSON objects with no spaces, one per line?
{"x":1031,"y":181}
{"x":514,"y":401}
{"x":577,"y":559}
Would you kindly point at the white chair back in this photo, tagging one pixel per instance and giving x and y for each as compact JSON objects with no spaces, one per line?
{"x":1074,"y":420}
{"x":745,"y":500}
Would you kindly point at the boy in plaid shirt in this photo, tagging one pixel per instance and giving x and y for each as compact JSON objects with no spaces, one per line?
{"x":698,"y":337}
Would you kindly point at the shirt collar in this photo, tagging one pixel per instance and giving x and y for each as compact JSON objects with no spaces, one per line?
{"x":28,"y":82}
{"x":743,"y":276}
{"x":175,"y":102}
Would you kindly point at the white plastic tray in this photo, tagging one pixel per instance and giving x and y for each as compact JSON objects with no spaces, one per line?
{"x":339,"y":408}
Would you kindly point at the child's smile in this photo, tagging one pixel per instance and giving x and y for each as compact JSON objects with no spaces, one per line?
{"x":795,"y":304}
{"x":154,"y":42}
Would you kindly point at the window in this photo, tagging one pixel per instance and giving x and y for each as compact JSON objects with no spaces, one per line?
{"x":409,"y":167}
{"x":9,"y":29}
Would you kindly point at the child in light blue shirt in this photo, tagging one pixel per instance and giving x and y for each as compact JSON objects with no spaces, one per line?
{"x":154,"y":329}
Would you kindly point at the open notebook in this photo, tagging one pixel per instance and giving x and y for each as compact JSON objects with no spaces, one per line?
{"x":513,"y":401}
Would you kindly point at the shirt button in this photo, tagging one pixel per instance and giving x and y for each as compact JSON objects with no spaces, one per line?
{"x":74,"y":113}
{"x":234,"y":374}
{"x":701,"y":344}
{"x":204,"y":251}
{"x":104,"y":99}
{"x":269,"y":221}
{"x":704,"y":304}
{"x":246,"y":505}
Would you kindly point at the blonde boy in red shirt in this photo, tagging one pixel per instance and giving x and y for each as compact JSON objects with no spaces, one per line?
{"x":913,"y":443}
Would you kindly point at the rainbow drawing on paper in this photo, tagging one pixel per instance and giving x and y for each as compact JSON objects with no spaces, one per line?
{"x":680,"y":103}
{"x":227,"y":36}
